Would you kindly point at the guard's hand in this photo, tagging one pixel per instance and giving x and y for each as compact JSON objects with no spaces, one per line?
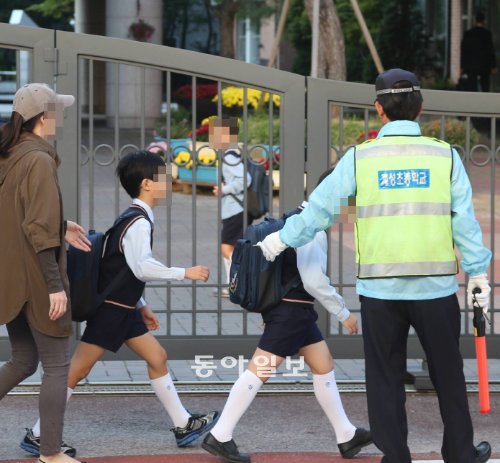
{"x":483,"y":298}
{"x":351,"y":324}
{"x":272,"y":246}
{"x":58,"y":304}
{"x":200,"y":272}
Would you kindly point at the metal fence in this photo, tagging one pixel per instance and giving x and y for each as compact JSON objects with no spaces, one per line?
{"x":126,"y":101}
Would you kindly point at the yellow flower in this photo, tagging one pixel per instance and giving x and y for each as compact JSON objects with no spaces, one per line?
{"x":207,"y":120}
{"x":233,"y":96}
{"x":182,"y":158}
{"x":206,"y":155}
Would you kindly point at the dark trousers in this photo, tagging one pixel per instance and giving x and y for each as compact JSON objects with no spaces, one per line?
{"x":385,"y":333}
{"x":478,"y":81}
{"x":28,"y":347}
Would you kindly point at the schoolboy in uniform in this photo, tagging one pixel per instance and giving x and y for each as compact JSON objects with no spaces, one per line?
{"x":223,"y":135}
{"x":124,"y":318}
{"x":291,"y":328}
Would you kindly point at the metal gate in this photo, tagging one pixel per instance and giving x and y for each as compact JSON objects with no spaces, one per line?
{"x":119,"y":83}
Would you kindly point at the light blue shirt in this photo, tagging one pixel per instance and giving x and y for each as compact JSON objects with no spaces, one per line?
{"x":324,"y":204}
{"x":233,"y":173}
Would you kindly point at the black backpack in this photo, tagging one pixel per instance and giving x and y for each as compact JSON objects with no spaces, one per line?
{"x":83,"y":274}
{"x":257,"y":191}
{"x":256,"y":284}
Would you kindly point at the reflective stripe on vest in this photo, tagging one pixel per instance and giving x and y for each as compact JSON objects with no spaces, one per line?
{"x":377,"y":210}
{"x":403,"y":205}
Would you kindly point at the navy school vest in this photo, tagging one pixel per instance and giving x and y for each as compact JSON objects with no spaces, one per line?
{"x":130,"y":290}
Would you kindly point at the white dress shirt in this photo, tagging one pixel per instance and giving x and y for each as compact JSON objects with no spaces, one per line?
{"x":312,"y":266}
{"x":136,"y":245}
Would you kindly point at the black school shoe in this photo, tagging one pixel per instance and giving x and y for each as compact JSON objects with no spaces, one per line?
{"x":361,"y":439}
{"x":31,"y":444}
{"x":228,"y":451}
{"x":483,"y":452}
{"x":197,"y":426}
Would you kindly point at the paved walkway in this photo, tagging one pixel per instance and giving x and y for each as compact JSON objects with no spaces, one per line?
{"x":346,"y":370}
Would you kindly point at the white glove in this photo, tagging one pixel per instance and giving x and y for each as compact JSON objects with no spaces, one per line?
{"x":483,"y":298}
{"x":272,"y":246}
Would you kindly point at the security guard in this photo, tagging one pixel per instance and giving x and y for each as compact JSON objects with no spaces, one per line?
{"x":413,"y":204}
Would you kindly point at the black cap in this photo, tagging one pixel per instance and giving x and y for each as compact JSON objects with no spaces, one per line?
{"x":385,"y":82}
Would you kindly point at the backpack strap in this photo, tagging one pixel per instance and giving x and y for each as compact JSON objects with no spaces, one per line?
{"x":294,"y":282}
{"x":119,"y":278}
{"x":238,"y":200}
{"x":113,"y":285}
{"x":291,"y":284}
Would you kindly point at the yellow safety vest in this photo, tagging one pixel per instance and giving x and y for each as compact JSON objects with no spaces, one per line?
{"x":403,"y":208}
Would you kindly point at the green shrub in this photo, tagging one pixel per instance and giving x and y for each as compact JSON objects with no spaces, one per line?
{"x":455,"y":131}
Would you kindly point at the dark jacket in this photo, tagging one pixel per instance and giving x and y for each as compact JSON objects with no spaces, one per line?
{"x":478,"y":51}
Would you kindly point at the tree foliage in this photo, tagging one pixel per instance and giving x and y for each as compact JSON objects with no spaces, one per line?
{"x":359,"y":63}
{"x":56,"y":9}
{"x":42,"y":16}
{"x":402,"y":41}
{"x":298,"y":33}
{"x":360,"y":67}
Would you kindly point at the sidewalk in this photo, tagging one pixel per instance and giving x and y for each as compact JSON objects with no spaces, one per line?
{"x":346,"y":370}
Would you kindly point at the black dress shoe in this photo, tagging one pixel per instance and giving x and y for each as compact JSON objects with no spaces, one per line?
{"x":226,"y":450}
{"x":361,"y":439}
{"x":483,"y":452}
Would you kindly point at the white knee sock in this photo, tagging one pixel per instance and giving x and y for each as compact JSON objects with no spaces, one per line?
{"x":327,"y":394}
{"x":165,"y":391}
{"x":242,"y":393}
{"x":36,"y":428}
{"x":227,"y":266}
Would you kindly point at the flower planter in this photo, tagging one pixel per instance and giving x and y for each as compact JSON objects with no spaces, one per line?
{"x":204,"y":174}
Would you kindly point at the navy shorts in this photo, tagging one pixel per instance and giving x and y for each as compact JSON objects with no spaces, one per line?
{"x":232,"y":229}
{"x":111,"y":326}
{"x":289,"y":327}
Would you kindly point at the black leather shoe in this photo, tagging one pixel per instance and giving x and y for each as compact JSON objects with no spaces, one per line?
{"x":361,"y":439}
{"x":226,"y":450}
{"x":483,"y":452}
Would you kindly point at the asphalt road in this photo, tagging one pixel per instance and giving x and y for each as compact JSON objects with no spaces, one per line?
{"x":100,"y":426}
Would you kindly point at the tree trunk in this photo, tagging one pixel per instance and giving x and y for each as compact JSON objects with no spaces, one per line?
{"x":331,"y":59}
{"x":226,"y":13}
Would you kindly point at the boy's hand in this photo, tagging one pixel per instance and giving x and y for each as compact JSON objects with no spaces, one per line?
{"x":200,"y":272}
{"x":75,"y":235}
{"x":58,"y":304}
{"x":351,"y":324}
{"x":216,"y":191}
{"x":149,"y":318}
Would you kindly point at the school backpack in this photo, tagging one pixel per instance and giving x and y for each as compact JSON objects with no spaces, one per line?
{"x":83,"y":274}
{"x":256,"y":284}
{"x":257,"y":191}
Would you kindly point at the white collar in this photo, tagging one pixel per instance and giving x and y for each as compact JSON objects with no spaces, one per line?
{"x":146,"y":207}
